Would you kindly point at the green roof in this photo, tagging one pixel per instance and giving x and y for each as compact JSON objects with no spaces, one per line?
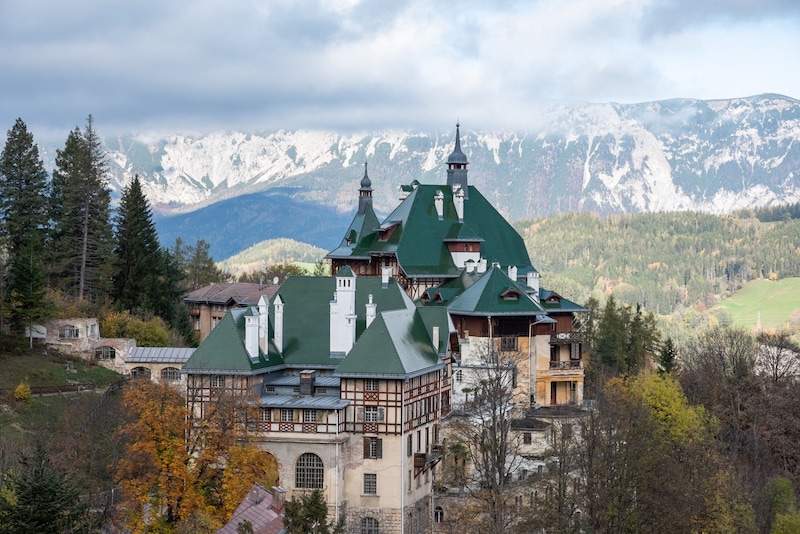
{"x":553,"y":302}
{"x":306,"y":318}
{"x":420,"y":238}
{"x":494,"y":293}
{"x":224,"y":349}
{"x":362,"y":226}
{"x":396,"y":344}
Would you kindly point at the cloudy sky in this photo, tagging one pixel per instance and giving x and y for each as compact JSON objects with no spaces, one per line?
{"x":176,"y":66}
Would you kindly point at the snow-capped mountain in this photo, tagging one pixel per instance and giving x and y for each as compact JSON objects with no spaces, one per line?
{"x":713,"y":156}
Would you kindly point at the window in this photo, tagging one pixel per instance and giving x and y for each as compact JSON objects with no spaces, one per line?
{"x":370,"y":384}
{"x":438,"y":515}
{"x":309,"y":416}
{"x":370,"y":484}
{"x":373,"y":448}
{"x":105,"y":353}
{"x":410,"y":446}
{"x":140,"y":372}
{"x":459,"y":375}
{"x":371,"y":414}
{"x":309,"y":471}
{"x":269,"y":389}
{"x":170,"y":373}
{"x":69,"y":332}
{"x":508,"y":343}
{"x":526,"y":438}
{"x":263,"y":414}
{"x":287,"y":415}
{"x":218,"y":381}
{"x":369,"y":525}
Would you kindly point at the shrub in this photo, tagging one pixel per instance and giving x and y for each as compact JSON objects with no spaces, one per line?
{"x":23,"y":392}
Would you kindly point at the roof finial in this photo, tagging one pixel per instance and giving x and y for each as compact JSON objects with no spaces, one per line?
{"x":366,"y":183}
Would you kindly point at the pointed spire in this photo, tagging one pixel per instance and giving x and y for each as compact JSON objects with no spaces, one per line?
{"x":366,"y":183}
{"x":365,"y":193}
{"x":457,"y":167}
{"x":457,"y":157}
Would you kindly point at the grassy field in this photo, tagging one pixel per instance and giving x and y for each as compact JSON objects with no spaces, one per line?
{"x":771,"y":303}
{"x":19,"y":418}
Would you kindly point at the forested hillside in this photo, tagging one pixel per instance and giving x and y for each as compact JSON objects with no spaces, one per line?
{"x":664,"y":261}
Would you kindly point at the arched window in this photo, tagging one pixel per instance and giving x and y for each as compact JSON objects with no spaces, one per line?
{"x":170,"y":373}
{"x":104,"y":353}
{"x":438,"y":514}
{"x":369,"y":525}
{"x":140,"y":372}
{"x":309,"y":471}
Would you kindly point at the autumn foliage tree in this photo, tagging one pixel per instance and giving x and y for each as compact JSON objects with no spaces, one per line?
{"x":177,"y":471}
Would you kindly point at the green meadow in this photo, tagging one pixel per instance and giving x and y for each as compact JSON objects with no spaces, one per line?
{"x":771,"y":303}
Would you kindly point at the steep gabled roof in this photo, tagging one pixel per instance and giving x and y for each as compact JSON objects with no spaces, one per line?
{"x":223,"y":351}
{"x":306,"y":323}
{"x":553,"y":302}
{"x":420,"y":238}
{"x":494,"y":293}
{"x":361,"y":229}
{"x":397,"y":344}
{"x":445,"y":292}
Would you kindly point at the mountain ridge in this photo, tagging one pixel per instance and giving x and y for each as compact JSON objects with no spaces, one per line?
{"x":712,"y":156}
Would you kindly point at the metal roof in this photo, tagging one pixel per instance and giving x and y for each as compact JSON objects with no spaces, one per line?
{"x":321,"y":402}
{"x":159,"y":355}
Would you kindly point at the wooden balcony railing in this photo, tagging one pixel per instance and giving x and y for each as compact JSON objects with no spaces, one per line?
{"x":565,"y":366}
{"x":565,"y":338}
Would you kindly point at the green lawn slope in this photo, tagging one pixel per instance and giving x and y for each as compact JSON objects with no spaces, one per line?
{"x":771,"y":303}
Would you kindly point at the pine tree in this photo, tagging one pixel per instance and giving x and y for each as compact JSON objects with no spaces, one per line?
{"x":23,"y":220}
{"x":81,"y":241}
{"x":39,"y":498}
{"x":137,"y":254}
{"x":201,"y":269}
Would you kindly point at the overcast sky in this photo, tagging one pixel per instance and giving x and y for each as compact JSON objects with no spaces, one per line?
{"x":175,"y":66}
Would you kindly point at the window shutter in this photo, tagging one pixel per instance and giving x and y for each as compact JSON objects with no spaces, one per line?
{"x":381,"y":414}
{"x":320,"y":418}
{"x":366,"y":447}
{"x":379,"y":448}
{"x":360,"y":414}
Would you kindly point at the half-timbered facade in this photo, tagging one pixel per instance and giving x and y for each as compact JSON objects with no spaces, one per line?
{"x":350,"y":381}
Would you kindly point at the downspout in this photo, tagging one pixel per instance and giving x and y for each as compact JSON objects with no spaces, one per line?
{"x":336,"y":490}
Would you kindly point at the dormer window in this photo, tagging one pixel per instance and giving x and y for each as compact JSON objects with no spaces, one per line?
{"x":510,"y":294}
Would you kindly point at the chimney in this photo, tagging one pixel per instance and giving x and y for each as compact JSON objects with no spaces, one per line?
{"x":307,"y":379}
{"x":458,"y":200}
{"x":469,"y":265}
{"x":533,"y":283}
{"x":371,"y":311}
{"x":481,"y":265}
{"x":386,"y":273}
{"x":438,"y":202}
{"x":278,"y":498}
{"x":435,"y":338}
{"x":251,"y":334}
{"x":278,"y":334}
{"x":263,"y":324}
{"x":343,"y":313}
{"x":512,"y":273}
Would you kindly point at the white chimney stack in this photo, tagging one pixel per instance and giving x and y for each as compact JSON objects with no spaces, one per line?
{"x":438,"y":201}
{"x":263,"y":324}
{"x":251,"y":334}
{"x":512,"y":272}
{"x":458,"y":200}
{"x":533,"y":283}
{"x":386,"y":273}
{"x":481,"y":265}
{"x":278,"y":337}
{"x":435,"y":336}
{"x":371,"y":311}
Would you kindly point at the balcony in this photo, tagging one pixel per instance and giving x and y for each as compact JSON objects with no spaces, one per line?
{"x":565,"y":338}
{"x":565,"y":366}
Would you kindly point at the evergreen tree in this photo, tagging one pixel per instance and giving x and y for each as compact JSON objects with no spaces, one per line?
{"x":27,"y":292}
{"x":307,"y":515}
{"x":40,"y":499}
{"x":667,"y":357}
{"x":201,"y":269}
{"x":23,"y":220}
{"x":81,"y":241}
{"x":138,"y":261}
